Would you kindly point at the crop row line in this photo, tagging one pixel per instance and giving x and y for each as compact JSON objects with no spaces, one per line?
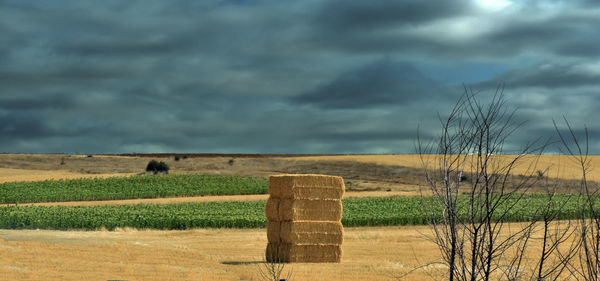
{"x":357,"y":212}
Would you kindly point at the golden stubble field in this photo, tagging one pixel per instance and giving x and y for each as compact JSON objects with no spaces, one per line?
{"x":555,"y":166}
{"x":369,"y":253}
{"x":14,"y":175}
{"x":374,"y":253}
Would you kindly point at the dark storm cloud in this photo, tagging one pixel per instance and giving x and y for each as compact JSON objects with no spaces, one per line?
{"x":580,"y":47}
{"x":551,"y":75}
{"x":567,"y":34}
{"x":119,"y":48}
{"x":380,"y":83}
{"x":60,"y":102}
{"x":366,"y":27}
{"x":363,"y":16}
{"x":547,"y":137}
{"x":16,"y":126}
{"x":286,"y":77}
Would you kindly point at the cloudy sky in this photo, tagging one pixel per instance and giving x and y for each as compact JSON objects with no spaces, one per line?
{"x":292,"y":76}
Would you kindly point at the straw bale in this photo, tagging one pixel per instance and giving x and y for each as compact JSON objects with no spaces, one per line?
{"x":272,"y":209}
{"x":272,"y":253}
{"x":309,"y":253}
{"x":314,"y":193}
{"x":276,"y":183}
{"x":306,"y":187}
{"x":310,"y":210}
{"x":273,"y":231}
{"x":317,"y":180}
{"x":312,"y":232}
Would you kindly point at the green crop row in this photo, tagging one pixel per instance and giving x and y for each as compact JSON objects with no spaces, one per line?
{"x":157,"y":216}
{"x":357,"y":212}
{"x":147,"y":186}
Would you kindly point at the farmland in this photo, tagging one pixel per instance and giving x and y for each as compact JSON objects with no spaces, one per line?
{"x":153,"y":186}
{"x":370,"y":253}
{"x":250,"y":214}
{"x":211,"y":240}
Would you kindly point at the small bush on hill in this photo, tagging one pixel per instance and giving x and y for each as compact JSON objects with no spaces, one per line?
{"x":156,"y":167}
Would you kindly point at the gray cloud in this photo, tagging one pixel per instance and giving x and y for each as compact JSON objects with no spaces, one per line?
{"x":14,"y":125}
{"x":59,"y":102}
{"x":560,"y":34}
{"x":267,"y":76}
{"x":459,"y":30}
{"x":552,"y":75}
{"x":364,"y":16}
{"x":379,"y":83}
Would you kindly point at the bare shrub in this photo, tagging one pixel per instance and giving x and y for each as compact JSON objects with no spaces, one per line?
{"x":588,"y":231}
{"x":273,"y":271}
{"x":472,"y":235}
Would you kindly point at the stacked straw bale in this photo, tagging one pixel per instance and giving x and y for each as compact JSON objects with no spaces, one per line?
{"x":304,"y":214}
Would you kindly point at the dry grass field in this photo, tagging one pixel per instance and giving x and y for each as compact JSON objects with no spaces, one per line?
{"x":13,"y":175}
{"x":557,"y":166}
{"x":399,"y":173}
{"x":369,"y":253}
{"x":375,"y":253}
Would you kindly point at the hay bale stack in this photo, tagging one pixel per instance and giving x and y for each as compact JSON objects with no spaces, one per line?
{"x":312,"y":187}
{"x":304,"y":215}
{"x":290,"y":252}
{"x":310,"y":210}
{"x":307,"y":232}
{"x":273,"y":231}
{"x":272,"y":209}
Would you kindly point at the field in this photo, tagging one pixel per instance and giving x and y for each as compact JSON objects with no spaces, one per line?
{"x":26,"y":175}
{"x":130,"y":187}
{"x":202,"y":252}
{"x":373,"y":253}
{"x":368,"y":211}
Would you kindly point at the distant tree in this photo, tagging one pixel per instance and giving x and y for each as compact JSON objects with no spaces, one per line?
{"x":156,"y":167}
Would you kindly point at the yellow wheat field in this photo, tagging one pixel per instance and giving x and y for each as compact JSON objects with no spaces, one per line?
{"x":368,"y":253}
{"x":557,"y":166}
{"x":373,"y":253}
{"x":14,"y":175}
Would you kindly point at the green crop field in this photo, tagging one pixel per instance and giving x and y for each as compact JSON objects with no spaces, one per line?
{"x":147,"y":186}
{"x":357,"y":212}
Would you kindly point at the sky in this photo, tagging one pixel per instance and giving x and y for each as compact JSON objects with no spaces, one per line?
{"x":286,"y":76}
